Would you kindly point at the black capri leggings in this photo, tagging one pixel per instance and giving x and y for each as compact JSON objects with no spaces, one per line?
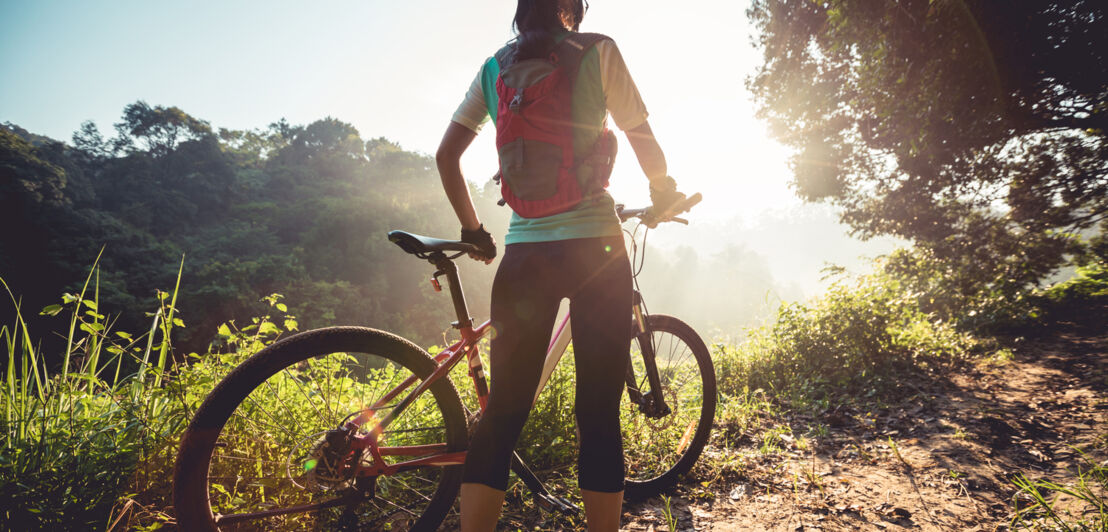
{"x":532,"y":280}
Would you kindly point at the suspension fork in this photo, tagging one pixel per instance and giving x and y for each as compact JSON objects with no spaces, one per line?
{"x":652,"y":403}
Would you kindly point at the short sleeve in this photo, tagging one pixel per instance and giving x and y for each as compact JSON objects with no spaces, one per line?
{"x":620,"y":93}
{"x":473,"y":111}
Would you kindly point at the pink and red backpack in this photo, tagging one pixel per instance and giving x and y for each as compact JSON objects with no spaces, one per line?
{"x":540,"y":174}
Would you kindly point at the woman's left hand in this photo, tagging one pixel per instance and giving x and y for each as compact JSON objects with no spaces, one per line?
{"x":486,"y":246}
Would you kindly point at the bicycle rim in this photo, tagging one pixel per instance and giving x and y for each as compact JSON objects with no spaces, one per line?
{"x":658,"y":450}
{"x":273,"y":454}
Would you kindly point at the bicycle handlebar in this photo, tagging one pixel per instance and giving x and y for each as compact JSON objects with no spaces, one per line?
{"x":651,"y":219}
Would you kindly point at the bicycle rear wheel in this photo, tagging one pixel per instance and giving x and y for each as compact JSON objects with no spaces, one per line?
{"x":658,"y":449}
{"x":262,"y":450}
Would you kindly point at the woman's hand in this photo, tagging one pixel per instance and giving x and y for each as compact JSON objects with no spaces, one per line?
{"x":486,"y":246}
{"x":664,"y":195}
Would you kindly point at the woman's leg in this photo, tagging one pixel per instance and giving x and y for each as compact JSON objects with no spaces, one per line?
{"x":524,"y":308}
{"x":480,"y":507}
{"x":602,"y":510}
{"x":600,"y":311}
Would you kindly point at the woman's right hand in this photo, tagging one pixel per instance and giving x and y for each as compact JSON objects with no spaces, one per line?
{"x":664,"y":195}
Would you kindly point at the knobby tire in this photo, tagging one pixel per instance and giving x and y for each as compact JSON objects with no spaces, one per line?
{"x":298,"y":375}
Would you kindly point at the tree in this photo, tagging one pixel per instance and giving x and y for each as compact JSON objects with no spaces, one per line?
{"x":25,"y":178}
{"x":156,"y":129}
{"x":29,"y":186}
{"x":301,"y":210}
{"x":976,"y":128}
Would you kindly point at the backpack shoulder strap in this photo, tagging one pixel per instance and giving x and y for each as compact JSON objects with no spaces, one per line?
{"x":572,"y":50}
{"x":504,"y":56}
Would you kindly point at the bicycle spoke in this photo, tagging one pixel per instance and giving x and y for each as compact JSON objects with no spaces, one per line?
{"x":300,"y":387}
{"x":295,"y":419}
{"x":403,"y":508}
{"x":273,"y":457}
{"x":442,"y":427}
{"x":247,"y":459}
{"x":277,"y":428}
{"x":276,"y":424}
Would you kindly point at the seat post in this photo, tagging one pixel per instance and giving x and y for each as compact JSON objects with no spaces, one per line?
{"x":450,"y":270}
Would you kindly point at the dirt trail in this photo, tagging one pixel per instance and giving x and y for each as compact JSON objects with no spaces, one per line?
{"x":957,"y":445}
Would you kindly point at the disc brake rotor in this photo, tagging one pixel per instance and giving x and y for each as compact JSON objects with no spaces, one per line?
{"x":328,"y":464}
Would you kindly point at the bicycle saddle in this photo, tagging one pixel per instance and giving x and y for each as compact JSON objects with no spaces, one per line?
{"x":421,"y":245}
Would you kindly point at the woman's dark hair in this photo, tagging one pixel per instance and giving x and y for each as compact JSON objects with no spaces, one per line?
{"x":537,"y":20}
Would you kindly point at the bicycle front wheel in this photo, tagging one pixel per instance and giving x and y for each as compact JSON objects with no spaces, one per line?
{"x":264,"y":450}
{"x":659,"y":445}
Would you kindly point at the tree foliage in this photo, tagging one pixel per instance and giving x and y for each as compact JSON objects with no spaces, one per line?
{"x":975,"y":128}
{"x":301,"y":210}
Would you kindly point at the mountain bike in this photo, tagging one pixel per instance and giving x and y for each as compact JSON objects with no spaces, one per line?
{"x":357,"y":428}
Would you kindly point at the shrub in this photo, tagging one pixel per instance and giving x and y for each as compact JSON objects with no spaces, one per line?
{"x":857,"y":339}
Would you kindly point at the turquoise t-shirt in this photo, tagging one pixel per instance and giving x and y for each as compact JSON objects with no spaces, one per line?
{"x":593,"y":217}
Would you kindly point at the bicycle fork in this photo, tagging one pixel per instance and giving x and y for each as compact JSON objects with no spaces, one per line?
{"x":652,"y":403}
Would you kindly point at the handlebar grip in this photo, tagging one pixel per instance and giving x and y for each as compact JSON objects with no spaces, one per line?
{"x":691,"y":201}
{"x":683,"y":206}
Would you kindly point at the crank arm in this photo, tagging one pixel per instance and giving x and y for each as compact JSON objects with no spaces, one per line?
{"x":543,"y":498}
{"x":554,"y":503}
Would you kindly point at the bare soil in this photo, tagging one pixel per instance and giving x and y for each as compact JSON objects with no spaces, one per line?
{"x":956,"y":445}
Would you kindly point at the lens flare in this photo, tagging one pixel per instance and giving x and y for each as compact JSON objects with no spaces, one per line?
{"x":310,"y":465}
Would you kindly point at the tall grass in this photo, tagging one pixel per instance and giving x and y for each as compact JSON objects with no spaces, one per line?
{"x":74,"y":433}
{"x":89,"y":443}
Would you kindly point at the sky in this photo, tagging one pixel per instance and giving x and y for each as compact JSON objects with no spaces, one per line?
{"x":392,"y":69}
{"x":399,"y":70}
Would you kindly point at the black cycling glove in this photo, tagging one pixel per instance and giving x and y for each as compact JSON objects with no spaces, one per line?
{"x":664,"y":194}
{"x":486,"y":246}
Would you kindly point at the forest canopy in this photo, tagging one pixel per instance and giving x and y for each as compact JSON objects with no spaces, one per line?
{"x":976,"y":129}
{"x":299,"y":210}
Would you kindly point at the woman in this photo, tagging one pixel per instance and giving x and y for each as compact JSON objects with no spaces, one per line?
{"x":576,"y":254}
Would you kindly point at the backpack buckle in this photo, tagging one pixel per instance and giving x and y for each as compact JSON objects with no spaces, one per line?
{"x":516,"y":102}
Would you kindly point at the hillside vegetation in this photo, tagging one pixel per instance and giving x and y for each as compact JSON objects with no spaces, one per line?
{"x":299,"y":209}
{"x":90,"y":444}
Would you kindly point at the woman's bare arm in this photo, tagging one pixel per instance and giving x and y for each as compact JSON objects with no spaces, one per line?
{"x":651,"y":159}
{"x":448,"y":158}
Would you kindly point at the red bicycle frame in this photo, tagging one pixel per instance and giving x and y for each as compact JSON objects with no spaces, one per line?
{"x":447,"y":359}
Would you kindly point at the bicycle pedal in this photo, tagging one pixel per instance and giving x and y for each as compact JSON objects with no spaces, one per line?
{"x":553,"y":503}
{"x":567,"y":508}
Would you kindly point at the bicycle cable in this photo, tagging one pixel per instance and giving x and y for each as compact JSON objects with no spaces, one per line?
{"x":638,"y":260}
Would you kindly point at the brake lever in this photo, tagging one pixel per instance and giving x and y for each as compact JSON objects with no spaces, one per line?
{"x":652,"y":221}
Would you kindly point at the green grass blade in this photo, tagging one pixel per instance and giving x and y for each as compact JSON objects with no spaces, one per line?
{"x":167,"y":326}
{"x":76,"y":313}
